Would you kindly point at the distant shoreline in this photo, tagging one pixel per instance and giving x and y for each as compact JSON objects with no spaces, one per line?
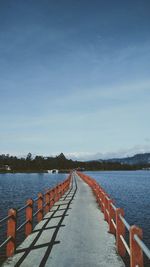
{"x":31,"y":171}
{"x":65,"y":171}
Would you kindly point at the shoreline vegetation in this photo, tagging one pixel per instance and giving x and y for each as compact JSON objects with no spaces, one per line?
{"x":32,"y":171}
{"x":40,"y":164}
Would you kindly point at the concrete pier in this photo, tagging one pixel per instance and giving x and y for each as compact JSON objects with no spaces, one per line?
{"x":72,"y":234}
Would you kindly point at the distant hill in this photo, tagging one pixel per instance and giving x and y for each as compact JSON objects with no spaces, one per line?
{"x":137,"y":159}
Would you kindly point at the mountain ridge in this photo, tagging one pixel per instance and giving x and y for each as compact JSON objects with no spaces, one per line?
{"x":140,"y":158}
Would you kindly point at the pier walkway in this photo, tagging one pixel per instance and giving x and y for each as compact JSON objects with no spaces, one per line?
{"x":72,"y":234}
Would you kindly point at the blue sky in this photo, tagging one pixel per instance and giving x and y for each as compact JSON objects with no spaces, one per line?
{"x":75,"y":77}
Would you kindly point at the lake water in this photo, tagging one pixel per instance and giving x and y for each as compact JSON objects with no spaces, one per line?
{"x":129,"y":189}
{"x":15,"y":189}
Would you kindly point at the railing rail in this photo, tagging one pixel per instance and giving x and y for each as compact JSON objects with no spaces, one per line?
{"x":142,"y":246}
{"x":127,"y":225}
{"x":22,"y":208}
{"x":4,"y":219}
{"x":118,"y":225}
{"x":5,"y":242}
{"x":43,"y":203}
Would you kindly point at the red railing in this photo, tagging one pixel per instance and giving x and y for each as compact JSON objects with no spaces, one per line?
{"x":118,"y":225}
{"x":33,"y":208}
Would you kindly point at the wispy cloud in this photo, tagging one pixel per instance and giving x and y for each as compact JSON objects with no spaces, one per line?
{"x":106,"y":96}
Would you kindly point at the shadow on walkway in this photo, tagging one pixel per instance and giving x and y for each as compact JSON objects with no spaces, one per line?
{"x":45,"y":233}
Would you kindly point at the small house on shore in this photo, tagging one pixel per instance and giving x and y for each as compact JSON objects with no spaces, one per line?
{"x":5,"y":168}
{"x":53,"y":171}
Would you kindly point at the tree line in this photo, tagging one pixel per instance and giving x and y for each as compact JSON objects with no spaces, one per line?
{"x":60,"y":162}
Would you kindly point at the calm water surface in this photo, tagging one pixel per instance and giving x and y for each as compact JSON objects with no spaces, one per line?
{"x":15,"y":189}
{"x":131,"y":191}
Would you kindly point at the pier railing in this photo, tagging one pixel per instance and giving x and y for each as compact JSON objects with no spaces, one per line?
{"x":34,"y":208}
{"x":118,"y":226}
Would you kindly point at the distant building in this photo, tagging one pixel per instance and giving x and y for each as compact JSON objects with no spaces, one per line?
{"x":53,"y":171}
{"x":5,"y":168}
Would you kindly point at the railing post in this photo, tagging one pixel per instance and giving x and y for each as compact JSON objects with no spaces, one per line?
{"x":67,"y":184}
{"x":57,"y":192}
{"x":50,"y":198}
{"x":136,"y":257}
{"x":11,"y":232}
{"x":64,"y":188}
{"x":95,"y":191}
{"x":102,"y":202}
{"x":99,"y":196}
{"x":61,"y":190}
{"x":47,"y":202}
{"x":105,"y":207}
{"x":29,"y":217}
{"x":58,"y":189}
{"x":53,"y":197}
{"x":120,"y":231}
{"x":111,"y":217}
{"x":40,"y":207}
